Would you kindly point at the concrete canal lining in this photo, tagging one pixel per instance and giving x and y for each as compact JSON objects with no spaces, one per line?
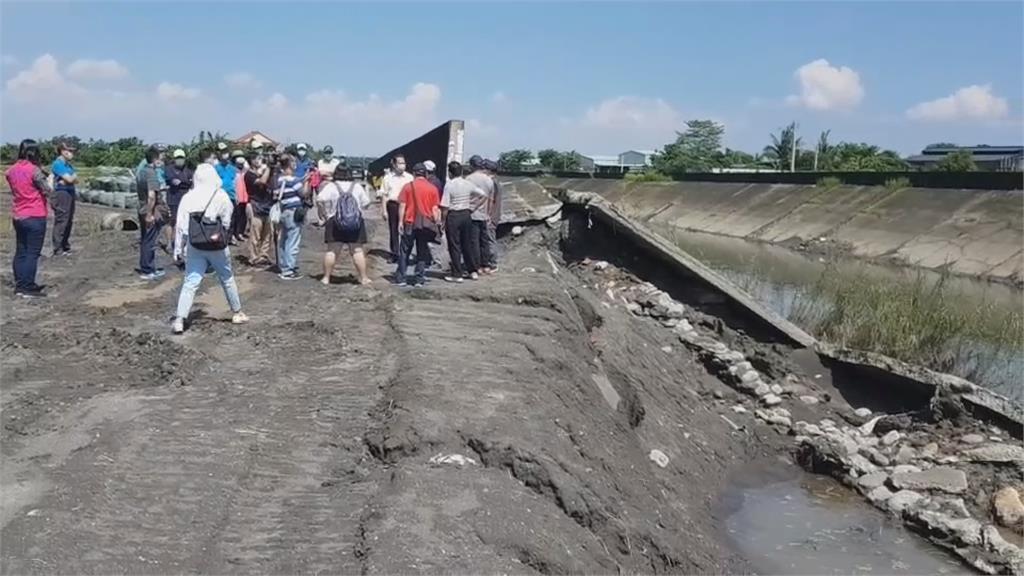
{"x":971,"y":232}
{"x":902,"y":378}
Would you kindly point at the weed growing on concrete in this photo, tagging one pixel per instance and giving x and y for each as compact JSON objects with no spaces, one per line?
{"x":647,"y":176}
{"x":829,"y":182}
{"x":894,"y":184}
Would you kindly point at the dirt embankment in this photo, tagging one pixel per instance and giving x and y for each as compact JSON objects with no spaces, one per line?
{"x":530,"y":422}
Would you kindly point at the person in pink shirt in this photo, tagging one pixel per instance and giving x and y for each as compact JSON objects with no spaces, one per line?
{"x":240,"y":219}
{"x":30,"y":191}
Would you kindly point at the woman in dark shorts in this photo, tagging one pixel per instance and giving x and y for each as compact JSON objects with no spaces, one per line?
{"x":328,"y":200}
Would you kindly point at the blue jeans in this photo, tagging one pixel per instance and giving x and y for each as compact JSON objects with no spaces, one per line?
{"x":30,"y":234}
{"x":291,"y":236}
{"x":196,"y":263}
{"x":420,"y":240}
{"x":147,"y":244}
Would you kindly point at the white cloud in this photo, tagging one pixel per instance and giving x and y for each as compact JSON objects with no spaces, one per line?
{"x":632,"y":112}
{"x":498,"y":97}
{"x":827,"y":87}
{"x":370,"y":124}
{"x":242,"y":80}
{"x":86,"y":69}
{"x":41,"y":79}
{"x":36,"y":102}
{"x":275,"y":101}
{"x":968,"y":103}
{"x":611,"y":126}
{"x":420,"y":103}
{"x":169,"y":92}
{"x":475,"y":126}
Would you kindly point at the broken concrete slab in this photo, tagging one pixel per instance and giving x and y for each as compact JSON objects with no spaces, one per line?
{"x":903,"y":500}
{"x":941,"y":478}
{"x":1008,"y":509}
{"x":879,"y":495}
{"x":997,"y":453}
{"x":872,"y":480}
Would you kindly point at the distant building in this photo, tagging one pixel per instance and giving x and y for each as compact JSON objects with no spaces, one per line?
{"x":624,"y":162}
{"x":987,"y":158}
{"x":248,"y":138}
{"x":633,"y":159}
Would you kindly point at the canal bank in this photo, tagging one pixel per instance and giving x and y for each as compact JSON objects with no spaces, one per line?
{"x":978,"y":233}
{"x":935,"y":452}
{"x":960,"y":325}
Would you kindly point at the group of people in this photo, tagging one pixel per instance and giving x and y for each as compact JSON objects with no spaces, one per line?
{"x":33,"y":194}
{"x":420,"y":211}
{"x":263,"y":198}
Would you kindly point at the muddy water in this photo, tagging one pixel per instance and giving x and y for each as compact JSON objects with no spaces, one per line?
{"x":785,"y":521}
{"x":784,"y":279}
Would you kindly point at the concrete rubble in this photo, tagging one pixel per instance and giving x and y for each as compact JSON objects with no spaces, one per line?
{"x":915,"y":475}
{"x":911,"y":486}
{"x":1008,"y":509}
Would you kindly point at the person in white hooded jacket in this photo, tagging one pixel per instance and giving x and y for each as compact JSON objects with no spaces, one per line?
{"x":208,"y":197}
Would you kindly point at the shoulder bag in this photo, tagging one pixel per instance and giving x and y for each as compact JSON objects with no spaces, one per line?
{"x":205,"y":233}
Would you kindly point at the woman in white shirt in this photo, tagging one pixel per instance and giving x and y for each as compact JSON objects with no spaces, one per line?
{"x":340,"y":204}
{"x":207,"y":197}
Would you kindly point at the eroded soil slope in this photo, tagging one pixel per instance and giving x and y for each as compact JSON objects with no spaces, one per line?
{"x":515,"y":424}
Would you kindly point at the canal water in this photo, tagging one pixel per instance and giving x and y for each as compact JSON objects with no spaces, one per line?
{"x":789,"y":282}
{"x":785,"y":521}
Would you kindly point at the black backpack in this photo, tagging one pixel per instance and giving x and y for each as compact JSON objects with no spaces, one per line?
{"x":204,"y":233}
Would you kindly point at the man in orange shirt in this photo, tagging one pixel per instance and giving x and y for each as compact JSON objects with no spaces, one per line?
{"x":418,"y":203}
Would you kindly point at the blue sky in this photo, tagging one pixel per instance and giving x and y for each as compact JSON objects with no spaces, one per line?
{"x":595,"y":77}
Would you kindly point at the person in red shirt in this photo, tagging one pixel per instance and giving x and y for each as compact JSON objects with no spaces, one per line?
{"x":30,"y":192}
{"x":419,"y":205}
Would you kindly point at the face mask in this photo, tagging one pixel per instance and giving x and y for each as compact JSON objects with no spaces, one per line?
{"x":225,"y":157}
{"x":179,"y":162}
{"x":302,"y":153}
{"x":212,"y":160}
{"x":239,"y":162}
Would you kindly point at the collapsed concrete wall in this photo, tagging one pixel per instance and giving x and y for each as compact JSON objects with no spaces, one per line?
{"x":973,"y":232}
{"x":898,"y":377}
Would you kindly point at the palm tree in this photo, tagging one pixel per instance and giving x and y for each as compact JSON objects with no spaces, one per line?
{"x":852,"y":157}
{"x":782,"y":147}
{"x":823,"y":153}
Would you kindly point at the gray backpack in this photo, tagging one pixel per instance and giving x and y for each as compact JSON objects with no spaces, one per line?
{"x":348,"y":217}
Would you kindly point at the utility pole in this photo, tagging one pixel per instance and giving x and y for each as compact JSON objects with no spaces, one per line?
{"x":792,"y":153}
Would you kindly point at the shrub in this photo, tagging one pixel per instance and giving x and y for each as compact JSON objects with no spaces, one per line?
{"x":646,"y":176}
{"x":894,"y":184}
{"x":830,"y":182}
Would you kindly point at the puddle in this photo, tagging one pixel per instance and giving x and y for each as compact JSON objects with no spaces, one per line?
{"x":213,"y":299}
{"x":785,"y":521}
{"x":116,"y":297}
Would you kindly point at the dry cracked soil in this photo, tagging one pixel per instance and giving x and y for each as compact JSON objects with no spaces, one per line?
{"x":499,"y":426}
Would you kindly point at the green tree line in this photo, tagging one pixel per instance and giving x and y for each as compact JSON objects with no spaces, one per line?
{"x":124,"y":152}
{"x":699,"y":148}
{"x":549,"y":158}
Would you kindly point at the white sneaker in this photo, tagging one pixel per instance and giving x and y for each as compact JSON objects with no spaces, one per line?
{"x":178,"y":326}
{"x":239,"y":318}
